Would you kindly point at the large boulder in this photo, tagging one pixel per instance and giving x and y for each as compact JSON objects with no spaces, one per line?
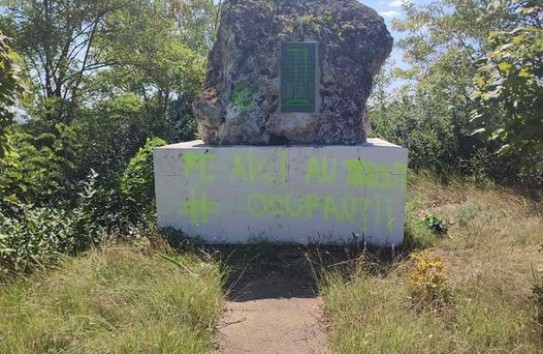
{"x":242,"y":100}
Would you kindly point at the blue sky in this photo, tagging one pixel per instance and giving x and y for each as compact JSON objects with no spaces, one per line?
{"x":390,"y":9}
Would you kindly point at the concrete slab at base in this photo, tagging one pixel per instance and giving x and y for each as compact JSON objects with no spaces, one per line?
{"x":299,"y":194}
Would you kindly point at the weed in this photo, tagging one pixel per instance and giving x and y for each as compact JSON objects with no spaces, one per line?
{"x":417,"y":234}
{"x":428,"y":282}
{"x":436,"y":224}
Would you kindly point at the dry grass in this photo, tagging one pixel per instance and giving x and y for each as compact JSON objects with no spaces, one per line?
{"x":490,"y":254}
{"x":113,"y":301}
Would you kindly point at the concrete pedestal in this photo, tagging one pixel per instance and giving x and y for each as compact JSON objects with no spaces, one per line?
{"x":298,"y":194}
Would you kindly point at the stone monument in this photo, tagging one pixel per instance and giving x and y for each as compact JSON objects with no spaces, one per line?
{"x":291,"y":72}
{"x":284,"y":155}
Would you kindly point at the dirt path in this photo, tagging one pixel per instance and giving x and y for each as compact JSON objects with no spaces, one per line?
{"x":275,"y":313}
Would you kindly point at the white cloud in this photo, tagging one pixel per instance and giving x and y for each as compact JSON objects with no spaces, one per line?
{"x":396,"y":3}
{"x":390,"y":14}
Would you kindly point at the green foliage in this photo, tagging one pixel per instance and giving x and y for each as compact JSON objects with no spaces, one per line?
{"x":163,"y":59}
{"x":56,"y":38}
{"x":137,"y":181}
{"x":417,"y":235}
{"x":10,"y":83}
{"x":446,"y":42}
{"x":36,"y":237}
{"x":107,"y":76}
{"x":33,"y":167}
{"x":436,"y":224}
{"x":510,"y":81}
{"x":422,"y":124}
{"x":430,"y":114}
{"x":111,"y":133}
{"x":33,"y":237}
{"x":80,"y":52}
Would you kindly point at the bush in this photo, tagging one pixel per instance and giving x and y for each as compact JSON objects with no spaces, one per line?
{"x":36,"y":165}
{"x":137,"y":181}
{"x":437,"y":224}
{"x":417,"y":234}
{"x":10,"y":84}
{"x":428,"y":281}
{"x":28,"y":173}
{"x":36,"y":238}
{"x":32,"y":236}
{"x":425,"y":126}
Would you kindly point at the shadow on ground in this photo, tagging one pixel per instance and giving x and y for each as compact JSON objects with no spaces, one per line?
{"x":267,"y":270}
{"x":275,"y":271}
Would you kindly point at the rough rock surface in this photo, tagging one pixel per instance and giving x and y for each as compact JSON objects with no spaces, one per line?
{"x":241,"y":101}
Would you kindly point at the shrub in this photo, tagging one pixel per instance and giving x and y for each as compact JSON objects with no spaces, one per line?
{"x":417,"y":234}
{"x":36,"y":165}
{"x":428,"y":283}
{"x":10,"y":84}
{"x":32,"y":236}
{"x":436,"y":224}
{"x":36,"y":238}
{"x":137,"y":181}
{"x":426,"y":127}
{"x":28,"y":173}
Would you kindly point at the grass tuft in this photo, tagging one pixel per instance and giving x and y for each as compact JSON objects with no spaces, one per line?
{"x":116,"y":300}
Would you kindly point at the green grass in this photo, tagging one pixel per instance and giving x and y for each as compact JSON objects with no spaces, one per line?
{"x":490,"y":254}
{"x":117,"y":300}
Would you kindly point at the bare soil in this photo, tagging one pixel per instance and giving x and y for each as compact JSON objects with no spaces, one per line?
{"x":272,"y":308}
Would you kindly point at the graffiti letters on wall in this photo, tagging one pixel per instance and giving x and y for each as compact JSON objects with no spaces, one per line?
{"x":251,"y":170}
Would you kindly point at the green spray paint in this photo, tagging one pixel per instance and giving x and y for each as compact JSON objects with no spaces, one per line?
{"x":199,"y":208}
{"x":200,"y":163}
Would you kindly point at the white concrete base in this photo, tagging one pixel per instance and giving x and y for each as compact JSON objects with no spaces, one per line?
{"x":299,"y":194}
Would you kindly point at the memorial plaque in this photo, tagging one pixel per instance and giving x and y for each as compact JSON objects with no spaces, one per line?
{"x":298,"y":77}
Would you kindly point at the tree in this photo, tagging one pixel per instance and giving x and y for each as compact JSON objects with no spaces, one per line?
{"x":116,"y":71}
{"x":57,"y":37}
{"x":154,"y":57}
{"x":10,"y":83}
{"x":445,"y":41}
{"x":510,"y":81}
{"x":81,"y":52}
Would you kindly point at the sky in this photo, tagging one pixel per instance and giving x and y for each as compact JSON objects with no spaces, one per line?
{"x":390,"y":9}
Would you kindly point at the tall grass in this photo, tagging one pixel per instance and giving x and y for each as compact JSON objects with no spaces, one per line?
{"x":113,"y":301}
{"x":490,"y":253}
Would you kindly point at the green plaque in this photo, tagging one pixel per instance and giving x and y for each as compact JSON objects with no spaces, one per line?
{"x":298,"y":77}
